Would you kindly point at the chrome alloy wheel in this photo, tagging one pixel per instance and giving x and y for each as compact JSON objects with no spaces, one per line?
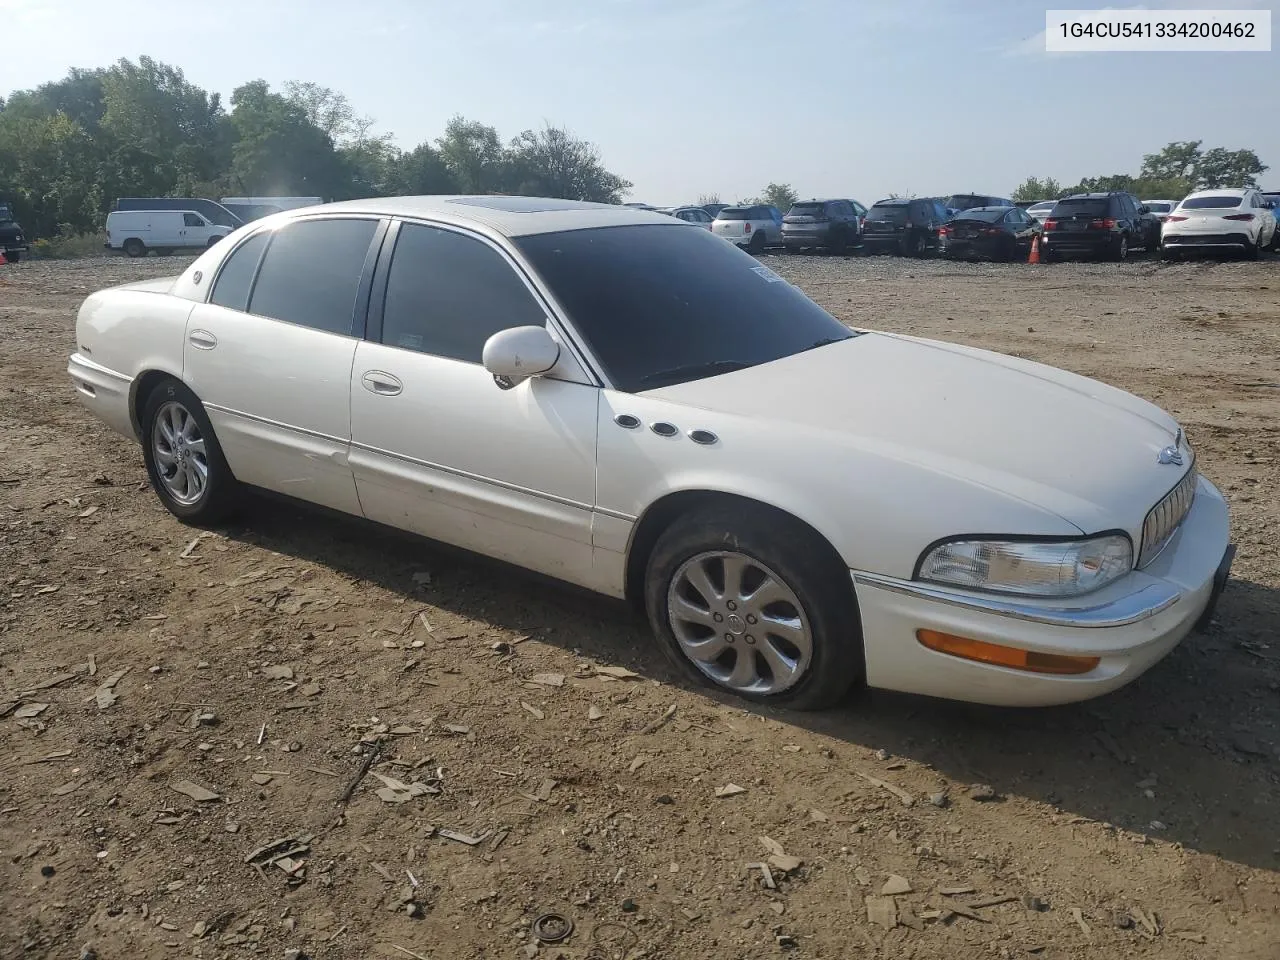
{"x":739,"y":623}
{"x":179,"y":452}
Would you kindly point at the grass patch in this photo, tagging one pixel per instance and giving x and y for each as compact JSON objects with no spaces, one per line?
{"x":70,"y":247}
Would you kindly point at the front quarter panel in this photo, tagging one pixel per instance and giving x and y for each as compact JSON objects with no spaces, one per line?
{"x":879,"y":512}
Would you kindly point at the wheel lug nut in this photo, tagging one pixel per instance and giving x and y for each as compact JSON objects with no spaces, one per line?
{"x":751,"y":618}
{"x":731,"y":605}
{"x":728,"y":638}
{"x":749,"y":638}
{"x":717,"y":617}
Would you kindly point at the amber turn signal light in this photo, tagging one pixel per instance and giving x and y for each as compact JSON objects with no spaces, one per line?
{"x":1002,"y":656}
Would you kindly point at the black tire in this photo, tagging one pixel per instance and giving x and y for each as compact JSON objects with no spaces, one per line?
{"x":757,"y":242}
{"x":914,"y":245}
{"x":14,"y":256}
{"x":221,"y":490}
{"x":1120,"y":251}
{"x":135,"y":247}
{"x":1252,"y":252}
{"x":1169,"y":254}
{"x":796,"y":556}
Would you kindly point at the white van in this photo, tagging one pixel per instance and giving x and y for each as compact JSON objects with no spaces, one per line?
{"x":138,"y":231}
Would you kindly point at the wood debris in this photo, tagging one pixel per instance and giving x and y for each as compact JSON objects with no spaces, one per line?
{"x":67,"y":788}
{"x":1078,"y":917}
{"x":657,"y":725}
{"x":533,"y":711}
{"x":548,"y":679}
{"x":906,"y":798}
{"x":766,"y":875}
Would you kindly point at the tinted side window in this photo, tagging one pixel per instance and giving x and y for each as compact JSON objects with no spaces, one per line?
{"x":231,"y":289}
{"x":448,"y":293}
{"x":191,"y":220}
{"x":312,"y":272}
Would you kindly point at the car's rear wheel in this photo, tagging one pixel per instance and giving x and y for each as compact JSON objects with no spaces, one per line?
{"x":184,"y":461}
{"x":753,"y":602}
{"x":135,"y":248}
{"x":1253,"y":251}
{"x":915,"y":245}
{"x":756,"y":244}
{"x":1120,"y":252}
{"x":13,"y":256}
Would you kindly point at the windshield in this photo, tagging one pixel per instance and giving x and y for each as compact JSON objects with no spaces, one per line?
{"x":988,"y":216}
{"x":662,"y":304}
{"x":896,"y":213}
{"x":1219,"y":202}
{"x":1081,"y":208}
{"x":808,"y":210}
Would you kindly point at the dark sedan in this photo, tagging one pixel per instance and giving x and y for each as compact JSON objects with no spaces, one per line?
{"x":990,"y":233}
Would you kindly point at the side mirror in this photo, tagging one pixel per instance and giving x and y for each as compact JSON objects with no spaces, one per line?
{"x":518,"y":353}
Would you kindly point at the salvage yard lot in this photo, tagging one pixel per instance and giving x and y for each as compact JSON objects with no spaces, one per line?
{"x":1142,"y":824}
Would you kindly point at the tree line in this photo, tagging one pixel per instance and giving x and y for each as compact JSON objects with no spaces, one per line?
{"x":70,"y":147}
{"x":1182,"y":167}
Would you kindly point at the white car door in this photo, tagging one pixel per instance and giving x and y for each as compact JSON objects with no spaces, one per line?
{"x":196,"y":230}
{"x":437,"y":447}
{"x":270,"y":355}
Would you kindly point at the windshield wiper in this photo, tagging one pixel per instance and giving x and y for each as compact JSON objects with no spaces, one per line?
{"x":694,"y":371}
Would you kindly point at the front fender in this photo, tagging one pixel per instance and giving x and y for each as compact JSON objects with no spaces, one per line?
{"x":878,"y":511}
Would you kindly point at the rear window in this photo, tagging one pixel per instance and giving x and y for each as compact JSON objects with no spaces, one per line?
{"x":1046,"y":205}
{"x":1158,"y":207}
{"x":734,"y":213}
{"x":5,"y":213}
{"x":987,"y":216}
{"x":808,"y":210}
{"x":894,"y":213}
{"x":1218,"y":202}
{"x":965,"y":201}
{"x":1081,"y":208}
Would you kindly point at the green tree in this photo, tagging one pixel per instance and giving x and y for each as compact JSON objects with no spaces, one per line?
{"x":474,"y":155}
{"x":278,"y":150}
{"x":552,"y":162}
{"x":420,"y":171}
{"x":1228,"y":168}
{"x":780,"y":195}
{"x":1176,"y":161}
{"x":1032,"y":189}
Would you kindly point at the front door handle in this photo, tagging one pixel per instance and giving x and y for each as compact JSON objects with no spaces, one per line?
{"x":381,"y":383}
{"x":202,"y":339}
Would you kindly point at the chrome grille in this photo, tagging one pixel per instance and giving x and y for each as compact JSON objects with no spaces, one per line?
{"x":1166,"y":516}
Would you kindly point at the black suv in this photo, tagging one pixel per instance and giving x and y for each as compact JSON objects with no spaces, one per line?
{"x":1106,"y":225}
{"x":12,"y":242}
{"x":834,"y":225}
{"x":909,"y":227}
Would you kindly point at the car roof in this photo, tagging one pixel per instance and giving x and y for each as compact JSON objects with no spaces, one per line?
{"x":993,"y":207}
{"x":898,"y":201}
{"x":1100,"y":195}
{"x":506,"y":215}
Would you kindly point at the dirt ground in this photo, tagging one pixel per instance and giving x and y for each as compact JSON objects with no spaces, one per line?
{"x":260,"y":663}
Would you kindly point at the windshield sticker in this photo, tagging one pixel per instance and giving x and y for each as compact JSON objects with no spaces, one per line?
{"x":768,"y":275}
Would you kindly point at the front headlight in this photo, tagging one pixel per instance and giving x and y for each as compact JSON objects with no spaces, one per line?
{"x":1028,"y":568}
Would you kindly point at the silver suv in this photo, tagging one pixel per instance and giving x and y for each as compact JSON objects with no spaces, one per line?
{"x":755,"y":227}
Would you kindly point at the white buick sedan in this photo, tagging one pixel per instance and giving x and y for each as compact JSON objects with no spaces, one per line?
{"x":602,"y":395}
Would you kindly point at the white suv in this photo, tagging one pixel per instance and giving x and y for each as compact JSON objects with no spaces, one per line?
{"x":755,"y":227}
{"x":1222,"y":219}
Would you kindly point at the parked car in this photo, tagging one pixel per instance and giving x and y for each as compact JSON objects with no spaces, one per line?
{"x":1220,"y":219}
{"x":959,"y":202}
{"x":1041,"y":209}
{"x":834,"y":225}
{"x":695,"y":215}
{"x":599,"y":394}
{"x":282,"y":203}
{"x":909,"y":227}
{"x":13,"y":244}
{"x":1160,"y":209}
{"x":213,"y":212}
{"x":993,"y":233}
{"x":714,"y":208}
{"x":755,"y":227}
{"x":137,"y":232}
{"x":248,"y":212}
{"x":1105,"y":225}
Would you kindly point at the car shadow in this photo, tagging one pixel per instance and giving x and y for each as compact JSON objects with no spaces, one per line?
{"x":1188,"y":753}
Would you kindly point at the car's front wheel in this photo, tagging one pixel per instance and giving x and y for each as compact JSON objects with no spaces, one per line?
{"x":184,"y":461}
{"x":753,"y":602}
{"x":1120,"y":252}
{"x":135,"y":248}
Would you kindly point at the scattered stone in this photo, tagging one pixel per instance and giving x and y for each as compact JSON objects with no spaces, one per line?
{"x":1035,"y":903}
{"x":1243,"y":743}
{"x":882,"y":911}
{"x":618,"y":673}
{"x":469,"y":840}
{"x":105,"y":694}
{"x":955,"y":891}
{"x":938,"y":799}
{"x":194,"y":791}
{"x":278,"y":672}
{"x":778,"y":907}
{"x":548,"y":679}
{"x":261,"y":779}
{"x":664,"y":798}
{"x":906,"y":798}
{"x":817,"y":816}
{"x":1157,"y":825}
{"x":309,"y":689}
{"x":772,"y":846}
{"x":29,"y":710}
{"x":981,"y":792}
{"x":533,"y":711}
{"x":1078,"y":917}
{"x":47,"y":871}
{"x":766,"y":875}
{"x":895,"y":885}
{"x":629,"y":906}
{"x":786,"y":942}
{"x":785,"y":863}
{"x":730,"y":790}
{"x":1120,"y":918}
{"x":594,"y":712}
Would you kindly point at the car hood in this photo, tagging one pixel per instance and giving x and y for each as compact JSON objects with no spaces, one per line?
{"x":1067,"y":444}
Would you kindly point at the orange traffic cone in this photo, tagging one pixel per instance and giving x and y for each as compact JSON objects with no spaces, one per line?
{"x":1035,"y":250}
{"x":3,"y":261}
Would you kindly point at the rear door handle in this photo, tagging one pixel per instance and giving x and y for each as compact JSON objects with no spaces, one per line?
{"x":381,"y":383}
{"x":202,"y":339}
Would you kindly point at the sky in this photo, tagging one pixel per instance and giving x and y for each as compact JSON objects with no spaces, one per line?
{"x":850,"y":98}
